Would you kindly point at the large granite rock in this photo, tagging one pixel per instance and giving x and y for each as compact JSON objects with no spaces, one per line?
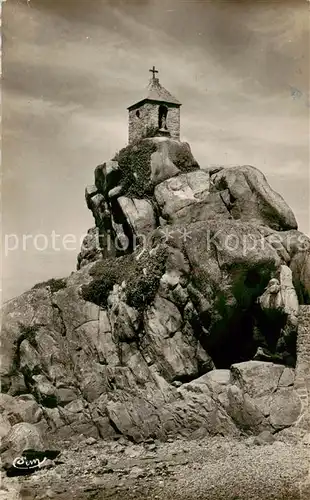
{"x":271,"y":388}
{"x":186,"y":198}
{"x":147,"y":352}
{"x":111,"y":377}
{"x":107,"y":176}
{"x":251,"y":198}
{"x":139,"y":214}
{"x":176,"y":193}
{"x":170,"y":158}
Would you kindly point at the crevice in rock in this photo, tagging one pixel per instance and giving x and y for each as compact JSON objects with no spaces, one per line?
{"x":85,"y":323}
{"x":228,"y":205}
{"x":49,"y":401}
{"x":91,"y":418}
{"x":62,"y":322}
{"x":185,"y":379}
{"x":156,"y":211}
{"x":116,"y":429}
{"x":120,"y":218}
{"x":278,"y":382}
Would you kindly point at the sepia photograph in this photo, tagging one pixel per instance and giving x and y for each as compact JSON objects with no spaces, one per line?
{"x":155,"y":257}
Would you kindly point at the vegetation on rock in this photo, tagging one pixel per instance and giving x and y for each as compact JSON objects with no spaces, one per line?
{"x":144,"y":285}
{"x":142,"y":279}
{"x":183,"y":159}
{"x":28,"y":332}
{"x":104,"y":278}
{"x":54,"y":284}
{"x":135,"y":164}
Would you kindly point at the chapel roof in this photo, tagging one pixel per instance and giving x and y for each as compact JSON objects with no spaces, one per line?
{"x":156,"y":92}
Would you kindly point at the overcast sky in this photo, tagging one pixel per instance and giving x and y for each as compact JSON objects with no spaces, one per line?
{"x":72,"y":67}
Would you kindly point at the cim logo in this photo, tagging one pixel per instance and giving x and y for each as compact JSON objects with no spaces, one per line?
{"x":24,"y":463}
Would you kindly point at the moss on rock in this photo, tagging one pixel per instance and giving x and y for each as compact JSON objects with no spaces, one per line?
{"x":135,"y":164}
{"x":183,"y":159}
{"x":28,"y":332}
{"x":54,"y":284}
{"x":142,"y":279}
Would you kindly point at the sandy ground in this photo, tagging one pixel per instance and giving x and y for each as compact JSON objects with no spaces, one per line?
{"x":209,"y":469}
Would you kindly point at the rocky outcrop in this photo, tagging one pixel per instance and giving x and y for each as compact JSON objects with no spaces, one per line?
{"x":117,"y":369}
{"x":302,"y":378}
{"x":251,"y":199}
{"x":271,"y":388}
{"x":164,"y":171}
{"x":155,"y":334}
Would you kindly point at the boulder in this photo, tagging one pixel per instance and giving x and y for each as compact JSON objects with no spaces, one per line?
{"x":17,"y":385}
{"x":107,"y":176}
{"x":22,"y":436}
{"x":170,"y":158}
{"x":90,"y":191}
{"x":65,"y":395}
{"x":257,"y":378}
{"x":190,"y":415}
{"x":211,"y":208}
{"x":45,"y":391}
{"x":139,"y":215}
{"x":29,"y":359}
{"x":179,"y":192}
{"x":285,"y":408}
{"x":5,"y":424}
{"x":98,"y":207}
{"x":162,"y":167}
{"x":115,"y":192}
{"x":243,"y":410}
{"x":23,"y":408}
{"x":253,"y":199}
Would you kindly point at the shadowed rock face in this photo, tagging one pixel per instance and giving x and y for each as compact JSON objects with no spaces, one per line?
{"x":140,"y":340}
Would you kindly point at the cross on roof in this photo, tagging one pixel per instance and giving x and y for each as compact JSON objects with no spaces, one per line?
{"x":154,"y":71}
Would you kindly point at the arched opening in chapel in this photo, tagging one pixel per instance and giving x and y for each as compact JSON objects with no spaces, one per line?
{"x":162,"y":117}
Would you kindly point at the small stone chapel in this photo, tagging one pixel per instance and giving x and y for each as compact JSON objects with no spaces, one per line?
{"x":158,"y":111}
